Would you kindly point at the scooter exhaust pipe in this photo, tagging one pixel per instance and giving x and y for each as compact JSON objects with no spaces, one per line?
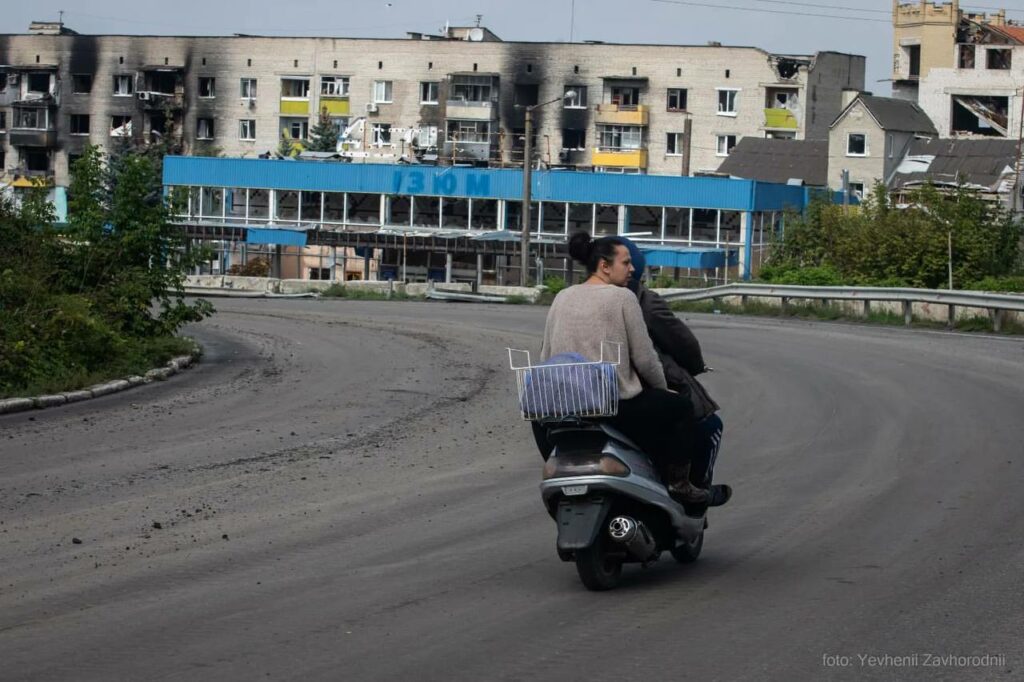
{"x":634,"y":536}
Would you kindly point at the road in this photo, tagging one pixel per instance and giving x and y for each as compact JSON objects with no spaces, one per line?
{"x":342,"y":490}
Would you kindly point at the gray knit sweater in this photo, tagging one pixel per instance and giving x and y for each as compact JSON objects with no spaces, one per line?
{"x":584,"y":315}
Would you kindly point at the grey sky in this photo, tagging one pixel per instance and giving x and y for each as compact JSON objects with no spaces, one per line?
{"x":792,"y":26}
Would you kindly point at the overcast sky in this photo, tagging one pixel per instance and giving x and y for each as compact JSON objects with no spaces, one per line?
{"x":793,"y":26}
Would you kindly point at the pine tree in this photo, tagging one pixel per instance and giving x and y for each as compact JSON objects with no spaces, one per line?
{"x":286,"y":146}
{"x":324,"y":135}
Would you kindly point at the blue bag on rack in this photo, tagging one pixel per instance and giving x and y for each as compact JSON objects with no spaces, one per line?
{"x":567,"y":385}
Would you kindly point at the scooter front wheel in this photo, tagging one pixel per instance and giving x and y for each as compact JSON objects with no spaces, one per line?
{"x":598,"y":570}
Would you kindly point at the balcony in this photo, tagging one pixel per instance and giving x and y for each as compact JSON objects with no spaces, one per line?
{"x":335,"y":106}
{"x":151,"y":99}
{"x":30,"y":178}
{"x":291,"y":106}
{"x":467,"y":110}
{"x":619,"y":158}
{"x":466,"y":151}
{"x":622,"y":114}
{"x":780,"y":119}
{"x":32,"y":137}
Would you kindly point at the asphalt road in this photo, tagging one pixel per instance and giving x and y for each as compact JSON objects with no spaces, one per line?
{"x":343,"y":491}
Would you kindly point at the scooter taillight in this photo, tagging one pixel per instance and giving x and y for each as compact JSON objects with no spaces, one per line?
{"x":584,"y":465}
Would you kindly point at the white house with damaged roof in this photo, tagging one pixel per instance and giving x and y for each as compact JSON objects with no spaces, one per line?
{"x":871,"y":136}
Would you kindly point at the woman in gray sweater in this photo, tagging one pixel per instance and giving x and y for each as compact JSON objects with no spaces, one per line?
{"x":603,"y":309}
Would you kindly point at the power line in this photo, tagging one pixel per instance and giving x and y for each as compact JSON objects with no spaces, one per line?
{"x":769,"y":11}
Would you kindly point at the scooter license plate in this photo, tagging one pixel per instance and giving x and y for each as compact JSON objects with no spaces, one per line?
{"x":574,"y":490}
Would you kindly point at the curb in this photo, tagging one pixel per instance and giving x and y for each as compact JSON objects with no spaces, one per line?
{"x":175,"y":365}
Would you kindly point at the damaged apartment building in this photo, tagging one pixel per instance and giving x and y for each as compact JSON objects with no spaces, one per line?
{"x":457,"y":98}
{"x":964,"y":69}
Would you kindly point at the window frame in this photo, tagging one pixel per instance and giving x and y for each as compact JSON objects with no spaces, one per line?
{"x":579,"y":101}
{"x":212,"y":130}
{"x":735,"y":92}
{"x":684,"y":97}
{"x":864,"y":141}
{"x":388,"y":88}
{"x":123,"y":78}
{"x":376,"y":132}
{"x":247,"y":125}
{"x":78,"y":117}
{"x":425,"y":88}
{"x":253,"y":88}
{"x":126,"y":119}
{"x":74,"y":82}
{"x":335,"y":81}
{"x":212,"y":82}
{"x":678,"y":143}
{"x":295,"y":98}
{"x":728,"y":147}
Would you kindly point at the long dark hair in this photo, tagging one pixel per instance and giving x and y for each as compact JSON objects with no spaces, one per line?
{"x":589,"y":252}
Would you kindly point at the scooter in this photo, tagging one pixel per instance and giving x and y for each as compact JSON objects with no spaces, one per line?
{"x":610,"y":504}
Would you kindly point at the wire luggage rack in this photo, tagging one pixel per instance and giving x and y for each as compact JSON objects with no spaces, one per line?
{"x":558,"y":390}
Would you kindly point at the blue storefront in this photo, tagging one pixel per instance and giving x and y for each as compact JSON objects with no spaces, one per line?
{"x":682,"y":222}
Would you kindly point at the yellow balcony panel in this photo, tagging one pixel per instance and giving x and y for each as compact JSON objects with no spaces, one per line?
{"x":295,"y":106}
{"x":335,"y":107}
{"x":780,"y":118}
{"x":621,"y":114}
{"x":624,"y":158}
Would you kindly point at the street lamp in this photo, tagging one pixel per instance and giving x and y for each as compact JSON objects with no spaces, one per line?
{"x":524,"y":255}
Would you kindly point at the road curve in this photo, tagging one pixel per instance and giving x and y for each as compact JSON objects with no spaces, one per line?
{"x":342,"y":490}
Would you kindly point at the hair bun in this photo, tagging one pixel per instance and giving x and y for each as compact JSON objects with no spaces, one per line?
{"x":580,"y":247}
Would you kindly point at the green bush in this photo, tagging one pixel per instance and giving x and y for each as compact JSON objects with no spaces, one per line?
{"x":1007,"y":284}
{"x":554,"y":284}
{"x":821,"y":275}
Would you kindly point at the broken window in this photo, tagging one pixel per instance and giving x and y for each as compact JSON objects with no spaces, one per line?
{"x":3,"y":120}
{"x":37,"y":160}
{"x":473,"y":88}
{"x":247,"y":129}
{"x":295,"y":128}
{"x":428,"y":92}
{"x":980,"y":115}
{"x":913,"y":60}
{"x":120,"y":126}
{"x":207,"y":87}
{"x":381,"y":134}
{"x":575,"y":97}
{"x":39,"y":82}
{"x":248,"y":88}
{"x":334,"y":86}
{"x":779,"y":98}
{"x":966,"y":57}
{"x":725,"y":145}
{"x":79,"y":124}
{"x":295,"y":88}
{"x":727,"y":101}
{"x":163,"y":82}
{"x":81,"y":84}
{"x":30,"y":118}
{"x":856,"y":189}
{"x":3,"y":82}
{"x":574,"y":138}
{"x":204,"y":128}
{"x":674,"y":144}
{"x":676,"y":99}
{"x":382,"y":92}
{"x":856,"y":144}
{"x":469,"y":131}
{"x":998,"y":58}
{"x":624,"y":96}
{"x":616,"y":138}
{"x":124,"y":85}
{"x":526,"y":94}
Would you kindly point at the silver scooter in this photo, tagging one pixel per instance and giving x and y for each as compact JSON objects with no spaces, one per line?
{"x":610,"y":504}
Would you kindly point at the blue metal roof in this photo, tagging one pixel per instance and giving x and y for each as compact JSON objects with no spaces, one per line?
{"x":258,"y":235}
{"x":690,"y":257}
{"x":483,"y":183}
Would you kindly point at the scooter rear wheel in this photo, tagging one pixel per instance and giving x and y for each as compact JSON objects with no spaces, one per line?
{"x":597,"y":570}
{"x":690,"y":552}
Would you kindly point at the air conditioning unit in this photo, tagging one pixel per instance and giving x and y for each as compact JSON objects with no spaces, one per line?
{"x":371,"y":108}
{"x":251,"y":101}
{"x":145,"y":96}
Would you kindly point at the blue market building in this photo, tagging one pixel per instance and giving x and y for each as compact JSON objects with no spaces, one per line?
{"x":402,"y":216}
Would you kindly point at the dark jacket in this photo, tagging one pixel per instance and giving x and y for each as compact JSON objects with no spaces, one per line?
{"x":678,"y":350}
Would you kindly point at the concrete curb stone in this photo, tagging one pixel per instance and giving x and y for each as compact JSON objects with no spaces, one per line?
{"x":182,"y":362}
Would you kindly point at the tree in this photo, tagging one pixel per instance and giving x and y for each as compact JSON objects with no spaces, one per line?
{"x":324,"y":135}
{"x":286,"y":146}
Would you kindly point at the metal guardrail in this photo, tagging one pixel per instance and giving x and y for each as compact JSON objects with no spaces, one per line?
{"x":996,"y":304}
{"x":438,"y":295}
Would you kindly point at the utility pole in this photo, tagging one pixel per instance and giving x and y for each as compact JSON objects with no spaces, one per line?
{"x":846,"y":190}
